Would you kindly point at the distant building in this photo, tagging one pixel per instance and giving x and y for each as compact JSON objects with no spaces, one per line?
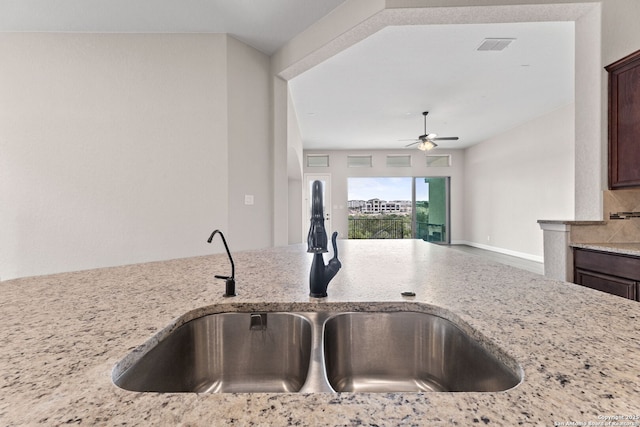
{"x":372,"y":206}
{"x":378,"y":206}
{"x":405,"y":205}
{"x":356,"y":205}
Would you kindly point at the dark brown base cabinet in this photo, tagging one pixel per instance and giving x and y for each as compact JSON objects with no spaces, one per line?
{"x":607,"y":272}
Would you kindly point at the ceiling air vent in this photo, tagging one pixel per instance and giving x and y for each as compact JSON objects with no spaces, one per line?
{"x":494,"y":44}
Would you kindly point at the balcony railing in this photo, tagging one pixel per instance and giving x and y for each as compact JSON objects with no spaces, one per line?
{"x":393,"y":228}
{"x":379,"y":228}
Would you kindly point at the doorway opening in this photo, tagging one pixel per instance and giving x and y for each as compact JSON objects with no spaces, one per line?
{"x":399,"y":208}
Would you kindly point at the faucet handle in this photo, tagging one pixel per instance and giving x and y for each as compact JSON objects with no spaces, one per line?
{"x":334,"y":236}
{"x":229,"y":285}
{"x":334,"y":263}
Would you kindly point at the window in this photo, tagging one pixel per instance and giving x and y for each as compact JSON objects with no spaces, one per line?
{"x":359,"y":161}
{"x":399,"y":161}
{"x":439,"y":160}
{"x":317,"y":160}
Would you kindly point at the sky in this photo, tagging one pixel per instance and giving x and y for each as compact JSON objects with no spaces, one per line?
{"x":385,"y":189}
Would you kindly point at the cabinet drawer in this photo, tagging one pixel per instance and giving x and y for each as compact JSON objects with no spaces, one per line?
{"x":609,"y":284}
{"x":605,"y":263}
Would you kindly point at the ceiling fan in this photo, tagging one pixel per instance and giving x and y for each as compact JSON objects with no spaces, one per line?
{"x":426,"y":141}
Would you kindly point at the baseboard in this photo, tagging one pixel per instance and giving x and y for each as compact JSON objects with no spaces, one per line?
{"x":517,"y":254}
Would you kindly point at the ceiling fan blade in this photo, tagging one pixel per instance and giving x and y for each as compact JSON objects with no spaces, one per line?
{"x":446,"y":138}
{"x":413,"y":143}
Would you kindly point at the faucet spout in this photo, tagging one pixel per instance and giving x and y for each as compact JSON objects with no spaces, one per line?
{"x":230,"y":281}
{"x":317,"y":237}
{"x":320,"y":274}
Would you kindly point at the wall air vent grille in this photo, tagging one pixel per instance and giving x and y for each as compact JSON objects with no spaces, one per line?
{"x":494,"y":44}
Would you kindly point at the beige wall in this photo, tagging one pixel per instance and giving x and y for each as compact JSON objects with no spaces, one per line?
{"x":115,"y":148}
{"x":249,"y":147}
{"x":516,"y":178}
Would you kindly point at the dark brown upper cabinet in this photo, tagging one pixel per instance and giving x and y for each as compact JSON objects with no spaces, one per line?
{"x":624,"y":122}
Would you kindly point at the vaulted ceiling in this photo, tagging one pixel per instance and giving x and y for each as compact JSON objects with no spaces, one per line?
{"x":372,"y":95}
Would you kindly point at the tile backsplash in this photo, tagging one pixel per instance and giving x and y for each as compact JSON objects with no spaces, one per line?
{"x":622,"y":217}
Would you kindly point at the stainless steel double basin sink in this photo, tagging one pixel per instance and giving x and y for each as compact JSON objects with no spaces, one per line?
{"x":308,"y":352}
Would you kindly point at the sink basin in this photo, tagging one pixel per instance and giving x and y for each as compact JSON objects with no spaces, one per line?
{"x":312,"y":352}
{"x":226,"y":352}
{"x":408,"y":352}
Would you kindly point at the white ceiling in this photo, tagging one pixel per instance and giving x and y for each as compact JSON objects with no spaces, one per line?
{"x":263,"y":24}
{"x":373,"y":94}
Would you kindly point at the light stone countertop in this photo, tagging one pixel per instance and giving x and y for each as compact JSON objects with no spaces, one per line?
{"x":617,"y":248}
{"x":61,"y":335}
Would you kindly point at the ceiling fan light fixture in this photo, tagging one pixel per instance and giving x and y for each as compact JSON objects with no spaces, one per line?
{"x":427,"y":145}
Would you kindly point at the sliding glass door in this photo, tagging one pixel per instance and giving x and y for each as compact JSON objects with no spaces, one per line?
{"x":430,"y":219}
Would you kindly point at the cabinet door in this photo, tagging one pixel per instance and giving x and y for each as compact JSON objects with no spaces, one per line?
{"x":624,"y":122}
{"x":605,"y":283}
